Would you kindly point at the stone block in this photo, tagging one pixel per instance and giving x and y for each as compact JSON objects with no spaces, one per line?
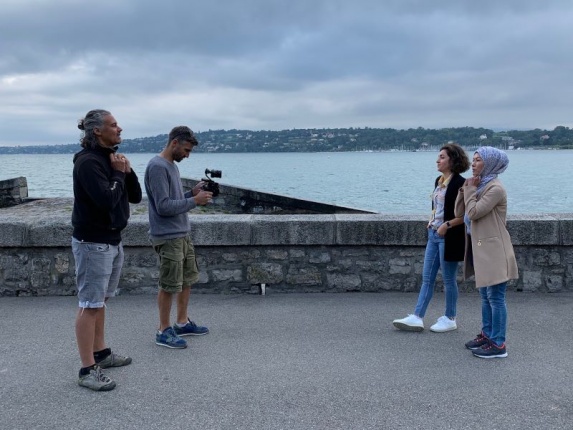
{"x":13,"y":232}
{"x":221,"y":230}
{"x":203,"y":277}
{"x":380,"y":230}
{"x":532,"y":280}
{"x":554,"y":283}
{"x":545,"y":258}
{"x":62,"y":263}
{"x":378,"y":282}
{"x":137,"y":231}
{"x":293,"y":229}
{"x":566,"y":230}
{"x":13,"y":191}
{"x":277,"y":254}
{"x":235,"y":275}
{"x":343,"y":282}
{"x":538,"y":230}
{"x":303,"y":275}
{"x":50,"y":233}
{"x":354,"y":252}
{"x":379,"y":267}
{"x":345,"y":263}
{"x":145,"y":258}
{"x":265,"y":273}
{"x":319,"y":257}
{"x":230,"y":257}
{"x":399,"y":266}
{"x":296,"y":254}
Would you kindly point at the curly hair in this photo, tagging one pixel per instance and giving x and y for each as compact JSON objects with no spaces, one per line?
{"x":458,"y":158}
{"x":93,"y":119}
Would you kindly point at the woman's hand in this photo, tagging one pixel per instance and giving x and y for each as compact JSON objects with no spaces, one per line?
{"x":472,"y":182}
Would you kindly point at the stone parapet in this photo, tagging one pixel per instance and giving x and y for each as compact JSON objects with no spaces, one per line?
{"x":13,"y":191}
{"x":286,"y":253}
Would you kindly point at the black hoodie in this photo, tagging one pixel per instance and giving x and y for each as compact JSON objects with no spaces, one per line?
{"x":101,"y":197}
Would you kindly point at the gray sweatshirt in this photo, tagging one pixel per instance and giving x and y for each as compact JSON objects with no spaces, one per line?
{"x":168,"y":205}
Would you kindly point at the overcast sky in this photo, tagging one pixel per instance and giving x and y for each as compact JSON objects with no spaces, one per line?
{"x":273,"y":65}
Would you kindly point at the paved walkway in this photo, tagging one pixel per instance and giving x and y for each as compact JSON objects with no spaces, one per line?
{"x":291,"y":361}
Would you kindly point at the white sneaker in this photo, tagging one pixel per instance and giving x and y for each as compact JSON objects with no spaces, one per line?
{"x":444,"y":324}
{"x":410,"y":323}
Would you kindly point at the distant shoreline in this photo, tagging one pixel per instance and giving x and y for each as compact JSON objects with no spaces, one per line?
{"x":335,"y":140}
{"x":77,"y":148}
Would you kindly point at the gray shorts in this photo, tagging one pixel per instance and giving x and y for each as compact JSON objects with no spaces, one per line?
{"x":98,"y":266}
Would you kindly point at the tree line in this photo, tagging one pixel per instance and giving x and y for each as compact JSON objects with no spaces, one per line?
{"x":337,"y":140}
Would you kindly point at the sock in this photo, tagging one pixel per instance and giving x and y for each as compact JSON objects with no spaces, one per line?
{"x":182,"y":325}
{"x":100,"y":355}
{"x":85,"y":370}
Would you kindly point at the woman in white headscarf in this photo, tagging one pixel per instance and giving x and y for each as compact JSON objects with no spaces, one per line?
{"x":489,"y":253}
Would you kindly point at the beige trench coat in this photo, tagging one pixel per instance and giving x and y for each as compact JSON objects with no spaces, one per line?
{"x":493,"y":257}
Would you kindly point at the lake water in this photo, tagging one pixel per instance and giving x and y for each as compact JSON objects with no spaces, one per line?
{"x":385,"y":182}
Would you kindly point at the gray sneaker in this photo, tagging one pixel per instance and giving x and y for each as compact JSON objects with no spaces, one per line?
{"x":114,"y":360}
{"x":96,"y":380}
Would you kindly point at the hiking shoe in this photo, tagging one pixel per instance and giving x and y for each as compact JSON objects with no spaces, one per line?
{"x":114,"y":360}
{"x":478,"y":342}
{"x":96,"y":380}
{"x":169,"y":339}
{"x":410,"y":323}
{"x":490,"y":350}
{"x":190,"y":329}
{"x":444,"y":324}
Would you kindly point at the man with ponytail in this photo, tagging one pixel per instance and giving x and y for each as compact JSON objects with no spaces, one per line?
{"x":104,"y":186}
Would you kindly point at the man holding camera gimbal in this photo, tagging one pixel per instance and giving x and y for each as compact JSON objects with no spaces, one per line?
{"x":169,"y":234}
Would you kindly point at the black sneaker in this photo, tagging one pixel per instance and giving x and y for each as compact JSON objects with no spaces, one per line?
{"x":478,"y":342}
{"x":491,"y":350}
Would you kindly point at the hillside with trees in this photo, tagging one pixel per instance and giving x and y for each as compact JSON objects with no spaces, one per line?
{"x":338,"y":140}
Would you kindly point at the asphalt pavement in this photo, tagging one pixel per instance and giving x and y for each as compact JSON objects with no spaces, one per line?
{"x":291,"y":361}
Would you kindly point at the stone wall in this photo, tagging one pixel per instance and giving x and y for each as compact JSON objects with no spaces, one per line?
{"x":287,"y":253}
{"x":13,"y":191}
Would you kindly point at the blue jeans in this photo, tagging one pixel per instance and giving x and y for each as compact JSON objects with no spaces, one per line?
{"x":494,"y":312}
{"x":433,"y":260}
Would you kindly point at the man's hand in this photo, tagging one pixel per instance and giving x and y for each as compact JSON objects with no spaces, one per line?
{"x":127,"y":166}
{"x":120,"y":162}
{"x":203,"y":197}
{"x":197,"y":188}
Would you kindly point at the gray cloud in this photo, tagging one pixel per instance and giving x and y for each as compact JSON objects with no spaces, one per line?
{"x":265,"y":64}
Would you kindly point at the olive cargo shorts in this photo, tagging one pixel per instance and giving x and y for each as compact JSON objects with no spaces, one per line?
{"x":177,"y":263}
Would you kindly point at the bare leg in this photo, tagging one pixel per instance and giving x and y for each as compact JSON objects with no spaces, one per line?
{"x":99,"y":338}
{"x":85,"y":334}
{"x":164,"y":304}
{"x":182,"y":304}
